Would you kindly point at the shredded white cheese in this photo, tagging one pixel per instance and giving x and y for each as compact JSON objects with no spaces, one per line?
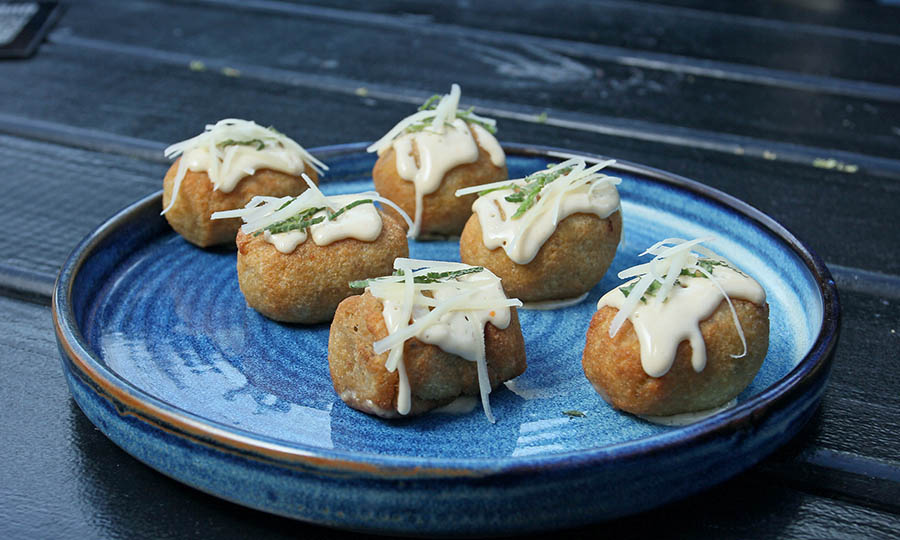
{"x":436,"y":119}
{"x":232,"y":149}
{"x":667,"y":300}
{"x":449,"y":313}
{"x":358,"y":222}
{"x":432,"y":142}
{"x":576,"y":188}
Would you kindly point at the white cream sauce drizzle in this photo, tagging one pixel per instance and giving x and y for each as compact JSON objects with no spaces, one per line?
{"x":489,"y":144}
{"x":661,"y":326}
{"x":442,"y":145}
{"x":227,"y":164}
{"x":362,"y":222}
{"x":438,"y":154}
{"x":460,"y":405}
{"x":579,"y":191}
{"x":451,"y":318}
{"x":286,"y":242}
{"x":683,"y":419}
{"x":238,"y":162}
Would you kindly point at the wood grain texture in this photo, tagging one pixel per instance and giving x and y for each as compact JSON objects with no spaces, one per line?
{"x":533,"y":75}
{"x":79,"y":484}
{"x":800,"y":197}
{"x":58,"y":196}
{"x":155,"y":102}
{"x":864,"y":17}
{"x":830,"y":42}
{"x":840,"y":475}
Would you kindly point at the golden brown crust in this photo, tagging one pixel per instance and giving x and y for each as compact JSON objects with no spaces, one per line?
{"x":435,"y":377}
{"x":613,"y":365}
{"x":443,"y":213}
{"x":307,"y":284}
{"x":197,"y":201}
{"x":570,"y":263}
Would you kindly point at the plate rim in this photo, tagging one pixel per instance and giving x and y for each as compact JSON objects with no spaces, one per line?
{"x":153,"y":410}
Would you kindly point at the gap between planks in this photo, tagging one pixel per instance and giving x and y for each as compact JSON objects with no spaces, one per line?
{"x":865,"y":281}
{"x":860,"y":480}
{"x":811,"y":156}
{"x":19,"y":282}
{"x":658,"y":61}
{"x":750,"y":20}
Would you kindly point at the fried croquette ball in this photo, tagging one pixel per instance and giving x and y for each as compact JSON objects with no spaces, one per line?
{"x":306,"y":285}
{"x":436,"y":377}
{"x":197,"y":201}
{"x":570,"y":263}
{"x":443,"y":214}
{"x":613,"y":365}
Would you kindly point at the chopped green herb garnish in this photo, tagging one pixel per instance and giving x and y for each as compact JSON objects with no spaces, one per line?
{"x":415,"y":128}
{"x":709,"y":264}
{"x":305,"y":218}
{"x":434,"y":277}
{"x":651,"y":290}
{"x":574,"y":414}
{"x":299,"y":221}
{"x":430,"y":277}
{"x":486,"y":191}
{"x":706,"y":264}
{"x":354,"y":204}
{"x":530,"y":193}
{"x":517,"y":196}
{"x":430,"y":103}
{"x":466,"y":116}
{"x":231,"y":142}
{"x":626,"y":290}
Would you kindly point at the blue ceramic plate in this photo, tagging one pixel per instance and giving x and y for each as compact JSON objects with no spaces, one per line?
{"x":163,"y":355}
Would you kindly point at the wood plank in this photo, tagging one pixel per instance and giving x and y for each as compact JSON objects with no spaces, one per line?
{"x":750,"y":147}
{"x":834,"y":474}
{"x":848,"y":204}
{"x":802,"y":42}
{"x":529,"y":76}
{"x":875,"y":320}
{"x":152,"y":101}
{"x":866,"y":17}
{"x":128,"y":105}
{"x":64,"y":193}
{"x":81,"y":485}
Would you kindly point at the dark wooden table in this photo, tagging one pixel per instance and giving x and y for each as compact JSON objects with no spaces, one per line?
{"x":793,"y":107}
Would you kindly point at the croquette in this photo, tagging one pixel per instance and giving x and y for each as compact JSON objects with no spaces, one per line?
{"x":443,"y":214}
{"x":431,"y":154}
{"x":197,"y":201}
{"x":436,"y":377}
{"x":570,"y":263}
{"x":613,"y":365}
{"x":307,"y":284}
